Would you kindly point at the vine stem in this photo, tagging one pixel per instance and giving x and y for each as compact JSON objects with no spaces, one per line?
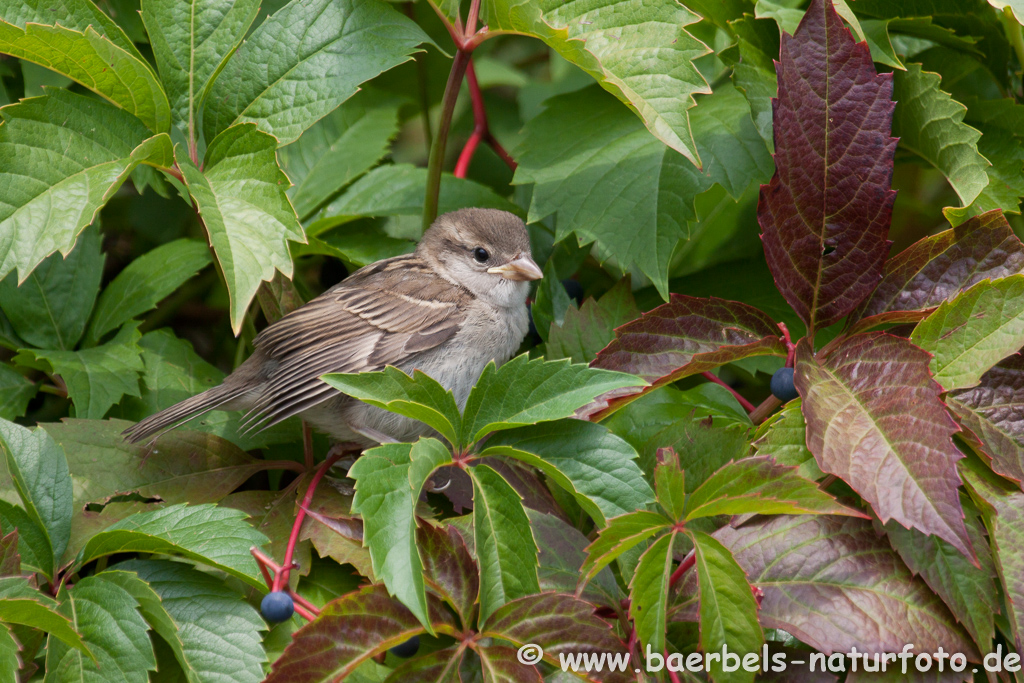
{"x":747,"y":405}
{"x":481,"y":129}
{"x":683,"y":567}
{"x":766,"y":408}
{"x":437,"y":148}
{"x":281,"y":577}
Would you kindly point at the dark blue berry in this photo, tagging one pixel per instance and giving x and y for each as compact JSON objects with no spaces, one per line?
{"x":277,"y":606}
{"x":408,"y":648}
{"x":782,"y":385}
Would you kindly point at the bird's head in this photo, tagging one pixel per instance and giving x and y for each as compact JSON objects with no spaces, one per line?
{"x":485,"y":250}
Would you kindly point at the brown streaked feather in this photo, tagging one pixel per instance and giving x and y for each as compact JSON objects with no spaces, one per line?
{"x":383,"y":314}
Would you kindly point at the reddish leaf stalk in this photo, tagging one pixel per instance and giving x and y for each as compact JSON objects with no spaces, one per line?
{"x":766,"y":408}
{"x":747,"y":405}
{"x":672,"y":675}
{"x":281,"y":577}
{"x":683,"y":567}
{"x":481,"y":129}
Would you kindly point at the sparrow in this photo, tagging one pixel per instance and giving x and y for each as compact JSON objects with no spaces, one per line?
{"x":449,"y":308}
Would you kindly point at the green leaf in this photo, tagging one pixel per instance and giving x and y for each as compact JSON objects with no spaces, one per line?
{"x":612,"y":171}
{"x":39,"y":471}
{"x":648,"y":594}
{"x":524,"y":391}
{"x":783,"y":436}
{"x":214,"y":633}
{"x":972,"y":332}
{"x":73,"y":14}
{"x":389,"y":480}
{"x":241,"y":200}
{"x":108,"y":617}
{"x":930,"y":123}
{"x":50,"y":308}
{"x":97,"y":378}
{"x":305,"y":60}
{"x":145,"y":282}
{"x":191,"y":42}
{"x":728,"y":610}
{"x":26,"y":606}
{"x":339,"y":148}
{"x":10,"y":659}
{"x":758,"y":485}
{"x":89,"y":148}
{"x":398,"y":190}
{"x":586,"y":330}
{"x":551,"y":303}
{"x":621,"y":534}
{"x":33,"y":541}
{"x":605,"y":38}
{"x":670,"y":484}
{"x":357,"y":244}
{"x":188,"y":467}
{"x":968,"y":590}
{"x":97,"y":63}
{"x":1001,"y":507}
{"x":505,"y":547}
{"x":595,"y":466}
{"x":420,"y":397}
{"x":16,"y":391}
{"x":207,"y":534}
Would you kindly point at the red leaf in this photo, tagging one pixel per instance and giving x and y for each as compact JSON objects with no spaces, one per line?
{"x":939,"y":267}
{"x":501,"y":665}
{"x":449,"y":569}
{"x":825,"y":215}
{"x":994,"y":412}
{"x":834,"y":584}
{"x":10,"y":559}
{"x":875,"y":420}
{"x":349,"y":631}
{"x":686,"y":336}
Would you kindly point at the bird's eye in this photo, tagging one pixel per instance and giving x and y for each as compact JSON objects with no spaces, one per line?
{"x":480,"y":254}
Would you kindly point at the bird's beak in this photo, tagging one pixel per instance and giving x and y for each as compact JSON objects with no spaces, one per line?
{"x":522,"y":268}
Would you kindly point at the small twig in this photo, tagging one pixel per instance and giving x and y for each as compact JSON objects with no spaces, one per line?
{"x":767,"y":407}
{"x":481,"y":129}
{"x":437,"y":148}
{"x":747,"y":405}
{"x":683,"y":567}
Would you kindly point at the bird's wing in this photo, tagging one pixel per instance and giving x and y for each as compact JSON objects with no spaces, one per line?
{"x":382,"y":315}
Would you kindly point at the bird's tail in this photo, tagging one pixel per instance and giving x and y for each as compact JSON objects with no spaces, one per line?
{"x":182,"y":412}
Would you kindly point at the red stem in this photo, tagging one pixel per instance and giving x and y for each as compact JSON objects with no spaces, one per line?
{"x":683,"y":567}
{"x":304,"y":603}
{"x":481,"y":129}
{"x":281,"y":579}
{"x":750,"y":407}
{"x":672,"y":675}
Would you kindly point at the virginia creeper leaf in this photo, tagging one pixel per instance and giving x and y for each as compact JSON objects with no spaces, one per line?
{"x":449,"y":569}
{"x":994,"y":412}
{"x":50,"y":308}
{"x":832,"y":583}
{"x":503,"y":540}
{"x":26,"y":606}
{"x":648,"y":592}
{"x":760,"y":486}
{"x":930,"y":123}
{"x":874,"y":419}
{"x":305,"y":60}
{"x":969,"y":334}
{"x":351,"y":630}
{"x":585,"y":459}
{"x":825,"y":215}
{"x":783,"y":436}
{"x":621,"y":534}
{"x":191,"y":42}
{"x":10,"y":560}
{"x":604,"y":37}
{"x":211,"y":535}
{"x":89,"y":148}
{"x":728,"y":610}
{"x":145,"y":282}
{"x":389,"y":480}
{"x":39,"y":470}
{"x":97,"y":63}
{"x":670,"y":484}
{"x":16,"y":391}
{"x":586,"y":330}
{"x":937,"y":268}
{"x":241,"y":199}
{"x":34,"y":545}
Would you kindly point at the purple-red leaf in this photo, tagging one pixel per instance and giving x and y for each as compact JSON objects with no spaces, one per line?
{"x":834,"y":584}
{"x":825,"y":214}
{"x":559,"y":624}
{"x":687,"y":336}
{"x":939,"y":267}
{"x":441,"y":666}
{"x":349,"y":631}
{"x":994,"y":412}
{"x":501,"y":665}
{"x":10,"y":559}
{"x":449,"y":569}
{"x":874,"y":419}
